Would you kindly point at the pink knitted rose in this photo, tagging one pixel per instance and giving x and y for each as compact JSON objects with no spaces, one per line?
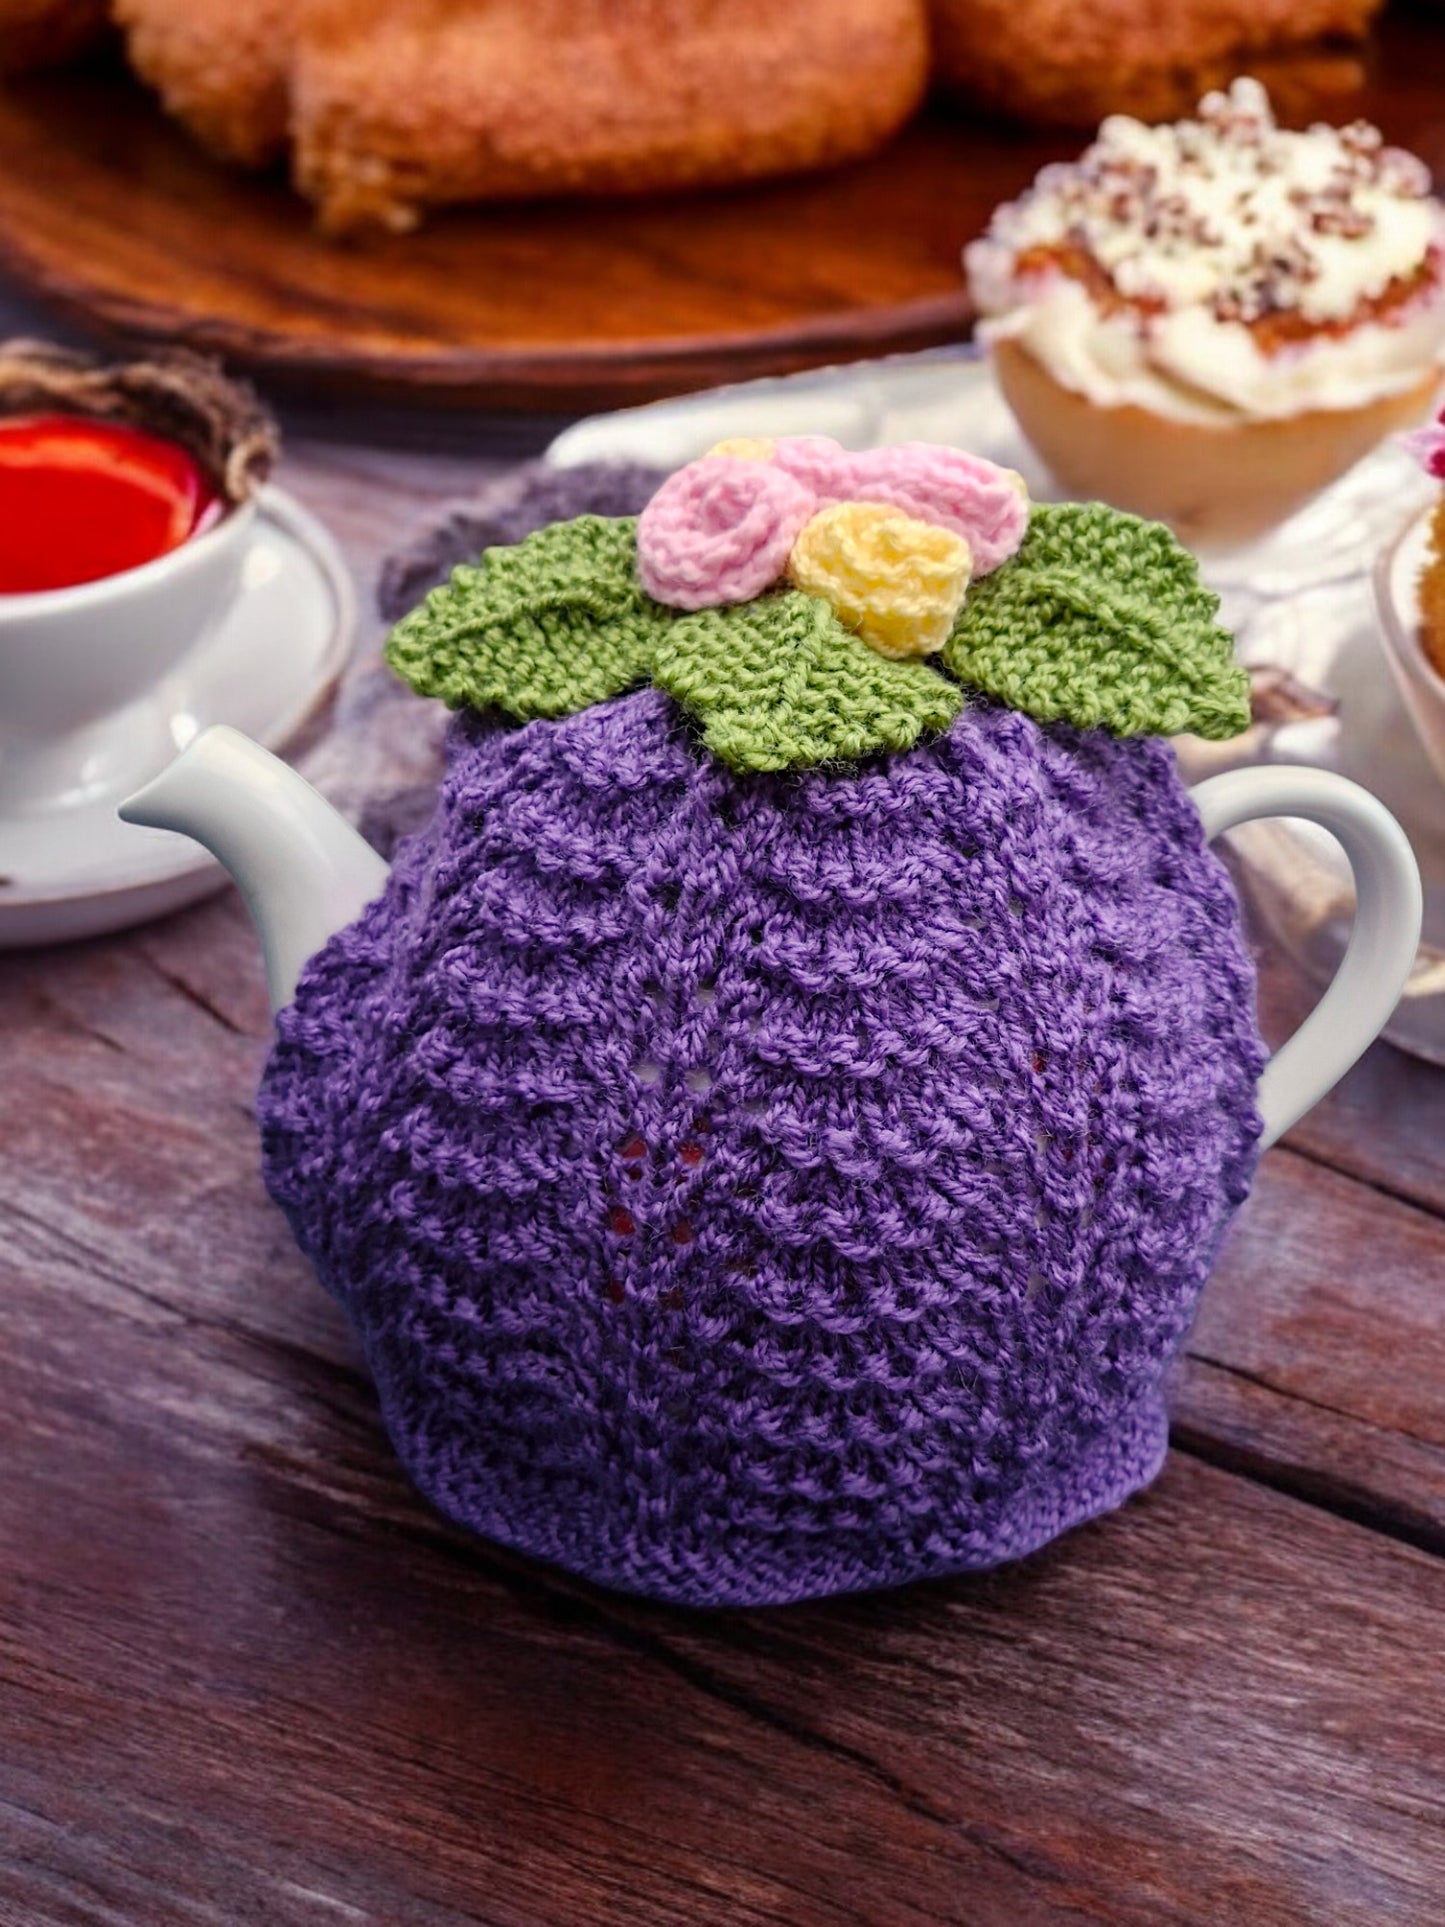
{"x":947,"y":487}
{"x":818,"y":462}
{"x":891,"y":538}
{"x":985,"y":504}
{"x":719,"y":531}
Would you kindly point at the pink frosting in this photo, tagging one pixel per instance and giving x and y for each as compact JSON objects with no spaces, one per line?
{"x":1427,"y":445}
{"x":720,"y":530}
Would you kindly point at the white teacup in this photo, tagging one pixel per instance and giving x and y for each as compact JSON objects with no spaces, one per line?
{"x":76,"y":666}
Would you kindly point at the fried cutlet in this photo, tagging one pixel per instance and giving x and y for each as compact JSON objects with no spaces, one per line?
{"x":1054,"y":63}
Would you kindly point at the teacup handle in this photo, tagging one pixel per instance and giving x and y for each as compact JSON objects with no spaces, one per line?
{"x":1383,"y":942}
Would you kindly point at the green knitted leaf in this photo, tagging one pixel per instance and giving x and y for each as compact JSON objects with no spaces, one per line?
{"x":545,"y":628}
{"x":1101,"y":619}
{"x":781,"y":684}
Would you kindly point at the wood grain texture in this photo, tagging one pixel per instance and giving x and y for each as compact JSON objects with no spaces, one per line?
{"x":112,"y":217}
{"x":246,"y":1675}
{"x":1317,"y":1361}
{"x":109,"y":214}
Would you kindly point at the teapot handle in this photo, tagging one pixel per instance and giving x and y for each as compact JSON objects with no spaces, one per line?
{"x":1383,"y":942}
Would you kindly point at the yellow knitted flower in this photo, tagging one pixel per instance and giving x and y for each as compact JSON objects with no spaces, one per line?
{"x":745,"y":448}
{"x":898,"y":581}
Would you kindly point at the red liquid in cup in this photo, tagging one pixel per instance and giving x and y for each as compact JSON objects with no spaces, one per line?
{"x":83,"y":499}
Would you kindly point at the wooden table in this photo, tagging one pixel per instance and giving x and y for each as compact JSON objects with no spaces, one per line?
{"x":246,"y":1675}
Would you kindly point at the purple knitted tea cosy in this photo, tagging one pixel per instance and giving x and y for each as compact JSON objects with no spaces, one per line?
{"x":752,"y":1184}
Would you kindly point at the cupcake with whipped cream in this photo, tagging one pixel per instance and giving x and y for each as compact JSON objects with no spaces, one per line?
{"x":1428,"y":444}
{"x":1209,"y":321}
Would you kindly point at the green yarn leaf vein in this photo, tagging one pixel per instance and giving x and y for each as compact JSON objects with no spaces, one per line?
{"x":781,"y":684}
{"x":549,"y":626}
{"x":1101,"y":620}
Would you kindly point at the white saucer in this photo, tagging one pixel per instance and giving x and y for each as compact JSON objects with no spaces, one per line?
{"x":1300,"y":598}
{"x":77,"y":871}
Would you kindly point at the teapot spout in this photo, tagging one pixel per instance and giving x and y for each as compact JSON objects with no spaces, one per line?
{"x":302,"y":869}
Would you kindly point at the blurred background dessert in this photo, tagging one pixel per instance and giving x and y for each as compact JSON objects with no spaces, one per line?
{"x":390,"y":106}
{"x":1208,"y":321}
{"x":1429,"y":445}
{"x":222,"y":71}
{"x":615,"y":201}
{"x":45,"y":33}
{"x":1047,"y":63}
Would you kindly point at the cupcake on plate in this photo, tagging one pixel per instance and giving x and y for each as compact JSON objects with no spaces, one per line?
{"x":1208,"y":322}
{"x":1429,"y":445}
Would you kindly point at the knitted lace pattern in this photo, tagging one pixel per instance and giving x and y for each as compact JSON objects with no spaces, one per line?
{"x":753,"y":1187}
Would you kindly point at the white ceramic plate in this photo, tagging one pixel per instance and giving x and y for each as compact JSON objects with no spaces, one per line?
{"x":1300,"y":598}
{"x":273,"y":660}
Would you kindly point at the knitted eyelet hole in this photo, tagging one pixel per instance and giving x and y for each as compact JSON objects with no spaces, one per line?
{"x":690,"y":1154}
{"x":705,"y":996}
{"x":672,"y":1299}
{"x":682,"y":1233}
{"x":647,"y":1071}
{"x":699,"y":1082}
{"x":633,"y":1148}
{"x":620,"y":1221}
{"x":614,"y":1291}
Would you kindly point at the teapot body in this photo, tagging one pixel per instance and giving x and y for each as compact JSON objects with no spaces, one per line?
{"x":752,"y":1188}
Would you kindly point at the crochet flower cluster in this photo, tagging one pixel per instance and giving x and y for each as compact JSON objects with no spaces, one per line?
{"x":889,"y":539}
{"x":803,"y":605}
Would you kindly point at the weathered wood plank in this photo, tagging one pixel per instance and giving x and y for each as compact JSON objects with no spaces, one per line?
{"x":1317,"y":1361}
{"x":235,"y":1687}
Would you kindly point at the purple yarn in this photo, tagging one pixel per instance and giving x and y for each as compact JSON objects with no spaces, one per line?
{"x":528,"y":498}
{"x":753,"y":1188}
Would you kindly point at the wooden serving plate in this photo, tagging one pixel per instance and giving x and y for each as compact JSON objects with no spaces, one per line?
{"x":113,"y":218}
